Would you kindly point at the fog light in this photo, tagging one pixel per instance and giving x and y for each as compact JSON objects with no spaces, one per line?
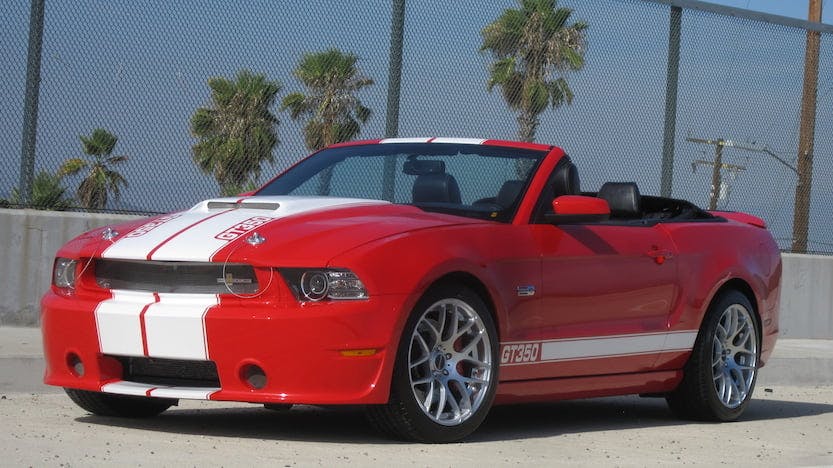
{"x":76,"y":367}
{"x":254,"y":376}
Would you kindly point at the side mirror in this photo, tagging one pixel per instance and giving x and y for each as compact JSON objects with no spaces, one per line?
{"x":573,"y":209}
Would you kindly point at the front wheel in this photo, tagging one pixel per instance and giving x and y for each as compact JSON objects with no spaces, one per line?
{"x":720,"y":375}
{"x":445,"y":375}
{"x":125,"y":406}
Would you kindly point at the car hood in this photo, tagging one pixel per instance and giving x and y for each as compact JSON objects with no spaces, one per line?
{"x":290,"y":230}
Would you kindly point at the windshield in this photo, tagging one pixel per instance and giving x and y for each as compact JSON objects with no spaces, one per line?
{"x":471,"y":180}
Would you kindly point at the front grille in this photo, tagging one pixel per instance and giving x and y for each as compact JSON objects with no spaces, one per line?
{"x":176,"y":277}
{"x":175,"y":372}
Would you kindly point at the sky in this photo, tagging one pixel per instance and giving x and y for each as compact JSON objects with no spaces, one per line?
{"x":792,"y":8}
{"x":141,"y":72}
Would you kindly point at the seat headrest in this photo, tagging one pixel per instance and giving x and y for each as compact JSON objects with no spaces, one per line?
{"x":623,"y":198}
{"x":509,"y":192}
{"x":436,"y":188}
{"x":566,"y":181}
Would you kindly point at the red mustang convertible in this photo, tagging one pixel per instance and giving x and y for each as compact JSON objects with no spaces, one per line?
{"x":426,"y":279}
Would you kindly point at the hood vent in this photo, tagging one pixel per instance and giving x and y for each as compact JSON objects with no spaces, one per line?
{"x":249,"y":205}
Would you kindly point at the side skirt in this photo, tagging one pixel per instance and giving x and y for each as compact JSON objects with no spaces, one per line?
{"x":570,"y":388}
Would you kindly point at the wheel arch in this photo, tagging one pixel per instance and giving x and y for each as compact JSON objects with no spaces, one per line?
{"x":475,"y":284}
{"x":742,"y":286}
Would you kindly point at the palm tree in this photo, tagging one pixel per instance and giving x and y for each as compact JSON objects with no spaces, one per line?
{"x":48,"y":193}
{"x":101,"y":178}
{"x":333,"y":112}
{"x":237,"y":132}
{"x":534,"y":48}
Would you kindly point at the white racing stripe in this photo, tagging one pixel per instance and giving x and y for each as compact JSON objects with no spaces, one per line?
{"x":192,"y":235}
{"x":118,"y":321}
{"x":405,"y":140}
{"x":136,"y":244}
{"x":128,"y":388}
{"x":134,"y":323}
{"x":462,"y":141}
{"x":142,"y":389}
{"x":187,"y":393}
{"x":175,"y":326}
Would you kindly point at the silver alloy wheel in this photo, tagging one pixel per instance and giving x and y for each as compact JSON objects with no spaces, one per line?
{"x":450,"y":362}
{"x":734,"y":355}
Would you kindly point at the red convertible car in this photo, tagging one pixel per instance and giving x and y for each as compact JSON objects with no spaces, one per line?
{"x":426,"y":279}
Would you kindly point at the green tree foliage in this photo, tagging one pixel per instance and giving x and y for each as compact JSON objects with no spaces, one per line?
{"x":534,"y":48}
{"x":48,"y":193}
{"x":238,"y":131}
{"x":101,"y":178}
{"x":332,"y":111}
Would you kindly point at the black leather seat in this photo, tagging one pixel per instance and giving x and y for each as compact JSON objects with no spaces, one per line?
{"x":436,"y":188}
{"x":509,"y":193}
{"x":623,"y":198}
{"x":566,"y":181}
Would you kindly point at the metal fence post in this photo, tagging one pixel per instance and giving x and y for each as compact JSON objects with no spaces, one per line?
{"x":671,"y":101}
{"x":30,"y":105}
{"x":397,"y":32}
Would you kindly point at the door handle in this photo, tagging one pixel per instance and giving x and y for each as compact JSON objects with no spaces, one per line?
{"x":660,"y":256}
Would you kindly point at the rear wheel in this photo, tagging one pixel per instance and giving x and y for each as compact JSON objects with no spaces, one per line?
{"x":720,"y":375}
{"x":125,"y":406}
{"x":445,"y":375}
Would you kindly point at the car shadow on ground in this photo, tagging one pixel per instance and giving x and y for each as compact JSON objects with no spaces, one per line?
{"x":305,"y":423}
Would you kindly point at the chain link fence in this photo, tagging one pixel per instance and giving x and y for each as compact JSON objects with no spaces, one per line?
{"x":140,"y":70}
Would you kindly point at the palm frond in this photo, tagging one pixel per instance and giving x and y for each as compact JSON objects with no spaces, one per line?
{"x":72,"y":166}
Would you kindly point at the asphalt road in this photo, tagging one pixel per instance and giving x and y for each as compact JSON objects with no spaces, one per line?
{"x":786,"y":425}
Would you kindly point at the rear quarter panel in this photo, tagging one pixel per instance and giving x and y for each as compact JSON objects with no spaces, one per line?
{"x":711,"y":254}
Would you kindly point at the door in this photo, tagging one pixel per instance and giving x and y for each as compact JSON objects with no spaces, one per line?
{"x":607,"y":291}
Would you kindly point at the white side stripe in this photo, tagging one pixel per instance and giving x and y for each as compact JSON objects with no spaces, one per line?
{"x":532,"y":352}
{"x":118,"y":322}
{"x":175,"y":326}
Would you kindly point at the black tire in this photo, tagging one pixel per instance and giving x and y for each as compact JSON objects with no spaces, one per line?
{"x":703,"y":394}
{"x":123,"y":406}
{"x":278,"y":407}
{"x":404,"y":417}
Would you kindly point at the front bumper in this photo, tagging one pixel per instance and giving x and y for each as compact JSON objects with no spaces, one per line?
{"x":300,"y":347}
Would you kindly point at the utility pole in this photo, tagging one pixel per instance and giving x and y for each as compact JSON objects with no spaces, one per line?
{"x":30,"y":104}
{"x":397,"y":33}
{"x":718,"y":163}
{"x":801,"y":209}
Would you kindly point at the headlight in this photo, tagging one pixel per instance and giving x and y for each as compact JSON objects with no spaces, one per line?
{"x":310,"y":284}
{"x":63,"y":274}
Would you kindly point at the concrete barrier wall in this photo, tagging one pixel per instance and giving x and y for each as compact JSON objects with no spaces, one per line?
{"x":807,"y":296}
{"x":29,"y":240}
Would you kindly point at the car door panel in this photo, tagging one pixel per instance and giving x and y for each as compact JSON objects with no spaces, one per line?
{"x":606,"y":294}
